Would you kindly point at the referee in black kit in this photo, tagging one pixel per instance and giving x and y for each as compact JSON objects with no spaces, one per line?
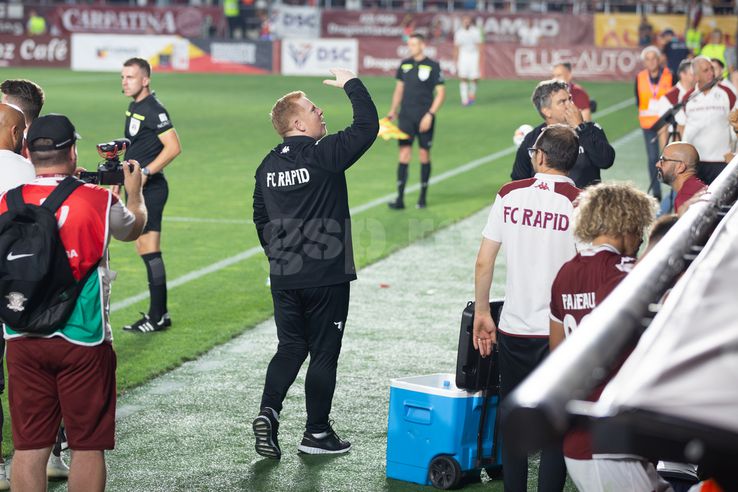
{"x":419,"y":94}
{"x":154,"y":144}
{"x":301,"y":214}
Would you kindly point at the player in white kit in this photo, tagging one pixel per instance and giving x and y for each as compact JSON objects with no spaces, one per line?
{"x":467,"y":47}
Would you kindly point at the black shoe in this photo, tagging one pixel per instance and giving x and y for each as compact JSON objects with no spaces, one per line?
{"x":328,"y":444}
{"x":148,"y":325}
{"x":397,"y":204}
{"x":421,"y":204}
{"x":265,"y":428}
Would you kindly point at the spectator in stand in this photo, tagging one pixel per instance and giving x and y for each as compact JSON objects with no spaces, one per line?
{"x":678,"y":169}
{"x":36,"y":25}
{"x":579,"y":96}
{"x":674,"y":49}
{"x":233,"y":16}
{"x":645,"y":32}
{"x":715,"y":48}
{"x":651,"y":83}
{"x":704,"y":122}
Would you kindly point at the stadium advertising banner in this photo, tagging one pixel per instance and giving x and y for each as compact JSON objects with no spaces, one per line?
{"x":224,"y":56}
{"x":317,"y":56}
{"x":105,"y":19}
{"x":288,"y":21}
{"x":36,"y":51}
{"x":527,"y":29}
{"x":106,"y":53}
{"x":588,"y":63}
{"x":11,"y":19}
{"x":621,"y":30}
{"x":383,"y":56}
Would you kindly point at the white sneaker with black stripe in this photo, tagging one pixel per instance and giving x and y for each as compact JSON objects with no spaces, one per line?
{"x":147,"y":325}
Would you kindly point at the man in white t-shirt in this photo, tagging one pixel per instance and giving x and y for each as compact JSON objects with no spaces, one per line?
{"x":533,"y":218}
{"x":704,"y":122}
{"x":467,"y":48}
{"x":15,"y":170}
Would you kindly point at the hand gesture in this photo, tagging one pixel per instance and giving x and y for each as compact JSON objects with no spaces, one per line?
{"x":573,"y":116}
{"x":342,"y":75}
{"x":485,"y":333}
{"x":391,"y":115}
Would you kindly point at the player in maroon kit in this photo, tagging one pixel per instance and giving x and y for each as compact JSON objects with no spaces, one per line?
{"x":612,"y":219}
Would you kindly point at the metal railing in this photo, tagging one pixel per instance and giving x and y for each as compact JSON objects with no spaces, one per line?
{"x":538,"y":411}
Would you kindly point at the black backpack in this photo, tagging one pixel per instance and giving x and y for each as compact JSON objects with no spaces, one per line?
{"x":37,"y":288}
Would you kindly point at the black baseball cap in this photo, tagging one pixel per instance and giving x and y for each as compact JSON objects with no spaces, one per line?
{"x":668,"y":30}
{"x":55,"y":127}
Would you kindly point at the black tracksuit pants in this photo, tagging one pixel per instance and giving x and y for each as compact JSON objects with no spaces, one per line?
{"x":518,"y":357}
{"x":309,"y":321}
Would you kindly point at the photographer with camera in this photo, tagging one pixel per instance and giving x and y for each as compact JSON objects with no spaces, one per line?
{"x":68,"y":373}
{"x":154,"y":144}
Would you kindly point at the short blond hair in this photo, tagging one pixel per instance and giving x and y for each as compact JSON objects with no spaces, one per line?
{"x":283,"y":110}
{"x":613,"y":209}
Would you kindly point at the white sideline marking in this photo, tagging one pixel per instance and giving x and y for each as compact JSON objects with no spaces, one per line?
{"x":209,"y":220}
{"x":244,"y":255}
{"x":616,"y":107}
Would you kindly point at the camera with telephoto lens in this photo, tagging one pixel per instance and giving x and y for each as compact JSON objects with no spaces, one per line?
{"x":109,"y":171}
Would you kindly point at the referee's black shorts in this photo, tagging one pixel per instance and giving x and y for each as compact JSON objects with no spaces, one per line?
{"x":410,"y":124}
{"x":155,"y":193}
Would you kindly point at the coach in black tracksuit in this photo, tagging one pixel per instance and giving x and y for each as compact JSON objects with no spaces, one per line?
{"x":301,"y":214}
{"x":553,"y":102}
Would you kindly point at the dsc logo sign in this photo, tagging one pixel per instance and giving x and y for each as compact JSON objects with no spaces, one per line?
{"x":334,"y":54}
{"x":292,"y":21}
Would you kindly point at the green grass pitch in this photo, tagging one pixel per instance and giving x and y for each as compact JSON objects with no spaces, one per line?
{"x":222,"y":121}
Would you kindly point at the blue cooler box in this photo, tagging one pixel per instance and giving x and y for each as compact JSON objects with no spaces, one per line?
{"x":429,"y":416}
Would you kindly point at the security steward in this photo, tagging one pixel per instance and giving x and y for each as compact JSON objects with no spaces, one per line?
{"x":419,"y":93}
{"x":154,"y":144}
{"x":301,"y":214}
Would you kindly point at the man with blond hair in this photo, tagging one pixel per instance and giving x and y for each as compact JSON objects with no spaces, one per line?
{"x":301,"y":214}
{"x":612,"y":219}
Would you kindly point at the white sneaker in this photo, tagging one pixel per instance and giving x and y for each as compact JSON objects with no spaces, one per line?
{"x":56,"y":468}
{"x":4,"y":483}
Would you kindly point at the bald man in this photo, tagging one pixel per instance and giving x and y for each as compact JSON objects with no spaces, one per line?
{"x":677,"y":168}
{"x":15,"y":170}
{"x":704,"y":120}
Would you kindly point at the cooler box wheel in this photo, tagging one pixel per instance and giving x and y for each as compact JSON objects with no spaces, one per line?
{"x":445,"y":472}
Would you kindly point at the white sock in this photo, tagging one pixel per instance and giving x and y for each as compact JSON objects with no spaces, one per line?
{"x":320,"y":435}
{"x":464,"y":89}
{"x":472,"y":90}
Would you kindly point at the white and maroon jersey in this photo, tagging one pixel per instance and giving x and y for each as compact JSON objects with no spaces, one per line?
{"x":86,"y":219}
{"x":706,"y":124}
{"x":582,"y":284}
{"x":532,"y":218}
{"x":584,"y":281}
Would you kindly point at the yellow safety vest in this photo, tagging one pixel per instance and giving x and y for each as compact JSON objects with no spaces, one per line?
{"x":36,"y":25}
{"x":716,"y":51}
{"x":230,"y":8}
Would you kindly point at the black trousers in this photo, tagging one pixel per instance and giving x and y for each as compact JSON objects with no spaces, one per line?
{"x":309,"y":321}
{"x":518,"y":357}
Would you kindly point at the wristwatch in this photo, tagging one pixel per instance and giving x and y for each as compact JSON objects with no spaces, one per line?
{"x":145,"y":171}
